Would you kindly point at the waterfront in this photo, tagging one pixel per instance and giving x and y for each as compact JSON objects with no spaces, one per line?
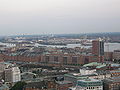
{"x":108,"y":46}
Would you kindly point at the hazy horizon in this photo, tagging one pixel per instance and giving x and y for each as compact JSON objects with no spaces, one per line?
{"x":18,"y":17}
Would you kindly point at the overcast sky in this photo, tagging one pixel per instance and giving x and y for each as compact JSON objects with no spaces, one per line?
{"x":58,"y":16}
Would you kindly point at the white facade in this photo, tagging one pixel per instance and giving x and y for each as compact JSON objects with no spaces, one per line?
{"x":16,"y":74}
{"x":12,"y":74}
{"x":85,"y":71}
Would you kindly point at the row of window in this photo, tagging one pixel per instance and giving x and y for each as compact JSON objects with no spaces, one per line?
{"x":93,"y":88}
{"x":65,"y":59}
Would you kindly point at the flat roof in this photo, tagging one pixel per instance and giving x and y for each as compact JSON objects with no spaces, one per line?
{"x":64,"y":82}
{"x":90,"y":80}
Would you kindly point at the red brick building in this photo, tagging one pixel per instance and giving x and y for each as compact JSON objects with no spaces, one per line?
{"x":98,"y":49}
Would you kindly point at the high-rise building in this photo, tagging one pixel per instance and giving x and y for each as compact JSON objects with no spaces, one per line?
{"x":98,"y":49}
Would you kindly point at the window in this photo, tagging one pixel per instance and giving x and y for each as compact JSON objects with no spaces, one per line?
{"x":74,"y":60}
{"x":55,"y":58}
{"x":47,"y":58}
{"x":64,"y":60}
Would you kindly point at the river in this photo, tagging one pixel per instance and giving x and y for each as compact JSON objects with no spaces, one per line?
{"x":108,"y":46}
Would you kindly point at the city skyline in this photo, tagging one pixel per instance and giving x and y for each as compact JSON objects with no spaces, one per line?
{"x":58,"y":17}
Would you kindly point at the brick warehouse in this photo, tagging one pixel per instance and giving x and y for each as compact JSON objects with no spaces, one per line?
{"x":63,"y":59}
{"x":56,"y":56}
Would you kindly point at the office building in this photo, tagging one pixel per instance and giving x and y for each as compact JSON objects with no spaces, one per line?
{"x":12,"y":74}
{"x":98,"y":49}
{"x":89,"y":84}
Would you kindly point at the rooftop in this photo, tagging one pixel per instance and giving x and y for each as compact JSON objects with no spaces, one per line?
{"x":78,"y":76}
{"x":74,"y":75}
{"x":89,"y":80}
{"x":98,"y":65}
{"x":64,"y":82}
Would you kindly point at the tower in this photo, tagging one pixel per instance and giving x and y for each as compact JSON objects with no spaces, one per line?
{"x":98,"y":49}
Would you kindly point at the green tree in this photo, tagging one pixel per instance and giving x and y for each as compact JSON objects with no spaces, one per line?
{"x":18,"y":86}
